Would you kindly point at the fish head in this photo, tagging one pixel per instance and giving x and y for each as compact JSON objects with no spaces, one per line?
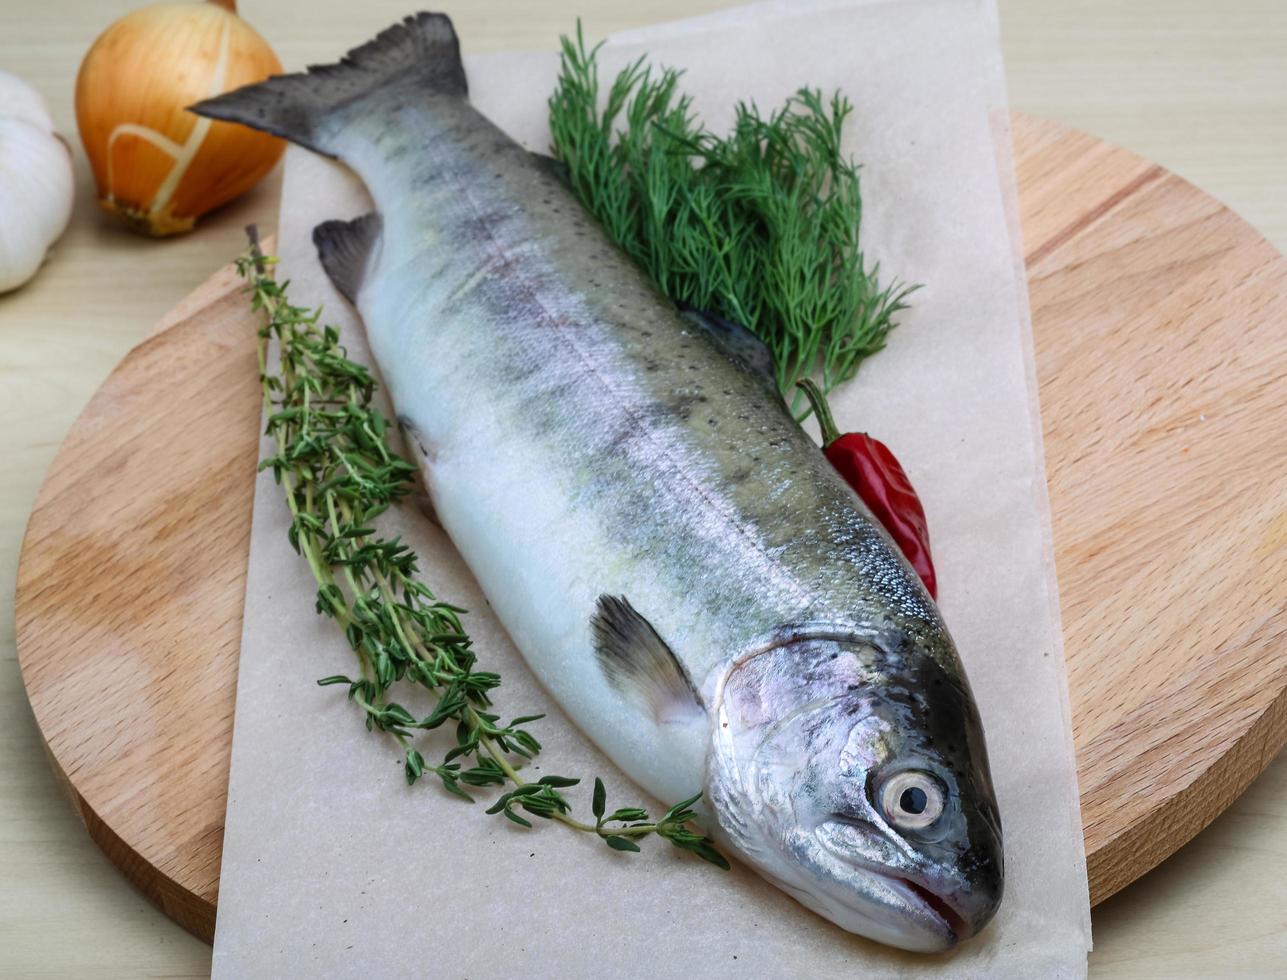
{"x":856,"y":778}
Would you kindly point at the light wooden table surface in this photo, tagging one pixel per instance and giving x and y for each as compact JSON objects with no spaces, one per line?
{"x":1197,"y":85}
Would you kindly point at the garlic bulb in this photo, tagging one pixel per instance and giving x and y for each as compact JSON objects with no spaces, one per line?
{"x":158,"y":166}
{"x":35,"y":182}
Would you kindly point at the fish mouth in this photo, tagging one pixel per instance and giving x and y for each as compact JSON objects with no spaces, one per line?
{"x":933,"y":912}
{"x":935,"y":905}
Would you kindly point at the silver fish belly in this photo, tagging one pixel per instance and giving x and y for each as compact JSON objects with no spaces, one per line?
{"x":671,"y":553}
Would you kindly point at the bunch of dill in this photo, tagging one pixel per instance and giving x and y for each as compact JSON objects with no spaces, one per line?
{"x":760,"y":226}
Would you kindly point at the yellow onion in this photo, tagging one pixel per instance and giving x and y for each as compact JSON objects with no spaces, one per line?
{"x":158,"y":166}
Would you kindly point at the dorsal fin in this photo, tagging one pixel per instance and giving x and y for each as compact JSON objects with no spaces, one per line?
{"x":738,"y":341}
{"x":638,"y":663}
{"x":344,"y":248}
{"x":554,"y":165}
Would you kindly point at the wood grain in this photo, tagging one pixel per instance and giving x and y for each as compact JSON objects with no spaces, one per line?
{"x":1161,"y":335}
{"x":132,"y":671}
{"x":1161,"y":339}
{"x":1197,"y":86}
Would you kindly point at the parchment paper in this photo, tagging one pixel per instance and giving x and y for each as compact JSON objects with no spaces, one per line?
{"x":333,"y":866}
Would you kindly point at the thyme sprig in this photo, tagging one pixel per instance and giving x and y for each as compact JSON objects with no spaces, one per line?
{"x":334,"y":462}
{"x":760,"y":226}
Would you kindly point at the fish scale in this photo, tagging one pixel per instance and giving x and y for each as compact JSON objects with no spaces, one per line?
{"x":584,"y":439}
{"x":627,"y":410}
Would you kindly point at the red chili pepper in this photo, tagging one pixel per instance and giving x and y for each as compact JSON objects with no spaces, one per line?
{"x":874,"y":472}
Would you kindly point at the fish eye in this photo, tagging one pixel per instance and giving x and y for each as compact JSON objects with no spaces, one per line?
{"x":912,"y":800}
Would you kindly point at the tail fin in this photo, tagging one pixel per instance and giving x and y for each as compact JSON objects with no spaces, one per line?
{"x":296,"y":107}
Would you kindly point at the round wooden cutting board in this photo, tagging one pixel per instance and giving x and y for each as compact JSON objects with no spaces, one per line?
{"x":1160,"y":321}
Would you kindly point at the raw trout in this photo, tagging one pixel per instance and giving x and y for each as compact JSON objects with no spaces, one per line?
{"x":672,"y":554}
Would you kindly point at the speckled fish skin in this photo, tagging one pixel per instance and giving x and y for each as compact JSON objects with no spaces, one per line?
{"x":582,"y":437}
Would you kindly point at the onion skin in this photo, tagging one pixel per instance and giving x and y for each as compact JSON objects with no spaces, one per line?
{"x":159,"y":167}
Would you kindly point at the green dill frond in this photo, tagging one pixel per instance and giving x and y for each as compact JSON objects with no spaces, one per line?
{"x":760,"y":226}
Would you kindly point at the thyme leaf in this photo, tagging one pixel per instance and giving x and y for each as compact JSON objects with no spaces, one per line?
{"x":760,"y":226}
{"x":338,"y":472}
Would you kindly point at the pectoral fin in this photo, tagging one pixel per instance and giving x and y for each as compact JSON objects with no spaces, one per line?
{"x":638,"y":663}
